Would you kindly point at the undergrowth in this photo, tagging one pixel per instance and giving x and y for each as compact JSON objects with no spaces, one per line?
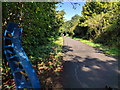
{"x":47,"y":65}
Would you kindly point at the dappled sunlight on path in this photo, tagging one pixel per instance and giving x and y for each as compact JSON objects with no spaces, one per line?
{"x":84,"y":67}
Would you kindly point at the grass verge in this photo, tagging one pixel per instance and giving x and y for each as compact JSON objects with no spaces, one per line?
{"x":111,"y":51}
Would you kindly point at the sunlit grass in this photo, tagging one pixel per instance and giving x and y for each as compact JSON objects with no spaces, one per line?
{"x":59,"y":41}
{"x":108,"y":50}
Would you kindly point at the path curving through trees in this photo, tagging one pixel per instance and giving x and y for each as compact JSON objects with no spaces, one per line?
{"x":86,"y":67}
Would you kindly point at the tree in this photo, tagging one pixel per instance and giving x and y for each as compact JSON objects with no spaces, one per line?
{"x":69,"y":26}
{"x":93,"y":8}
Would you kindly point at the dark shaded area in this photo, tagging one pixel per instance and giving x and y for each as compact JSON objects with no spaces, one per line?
{"x":66,"y":48}
{"x":111,"y":36}
{"x":80,"y":32}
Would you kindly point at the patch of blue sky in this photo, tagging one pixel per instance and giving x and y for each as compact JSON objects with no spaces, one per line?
{"x":69,"y":10}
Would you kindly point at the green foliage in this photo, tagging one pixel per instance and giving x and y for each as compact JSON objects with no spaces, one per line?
{"x":40,"y":21}
{"x":93,"y":8}
{"x":80,"y":30}
{"x":41,"y":27}
{"x":70,"y":25}
{"x":100,"y":23}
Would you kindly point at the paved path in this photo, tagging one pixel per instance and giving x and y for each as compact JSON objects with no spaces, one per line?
{"x":86,"y":67}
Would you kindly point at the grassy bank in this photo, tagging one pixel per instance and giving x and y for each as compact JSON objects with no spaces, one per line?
{"x":111,"y":51}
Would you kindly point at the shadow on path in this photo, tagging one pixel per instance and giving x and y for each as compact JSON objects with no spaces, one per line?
{"x":87,"y":71}
{"x":67,"y":48}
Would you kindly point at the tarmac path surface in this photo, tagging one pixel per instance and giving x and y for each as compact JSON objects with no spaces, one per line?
{"x":86,"y":67}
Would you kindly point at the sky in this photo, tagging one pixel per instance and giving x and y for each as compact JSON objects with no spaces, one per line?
{"x":68,"y":8}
